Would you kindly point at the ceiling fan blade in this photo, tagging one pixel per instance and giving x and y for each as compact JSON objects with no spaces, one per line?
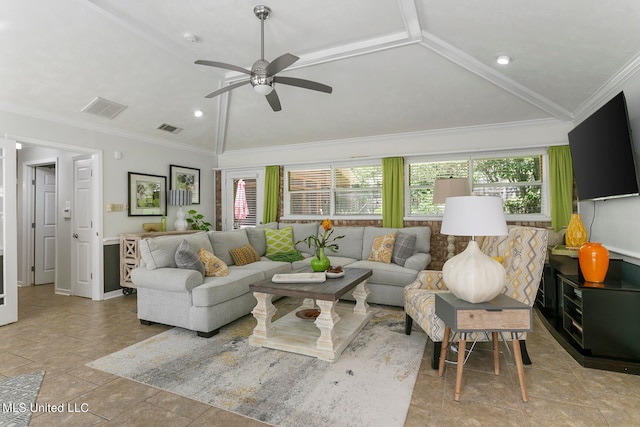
{"x":306,"y":84}
{"x":274,"y":101}
{"x":226,"y":89}
{"x":222,"y":65}
{"x":280,"y":63}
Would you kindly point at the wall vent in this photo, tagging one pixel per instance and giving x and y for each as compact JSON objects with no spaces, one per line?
{"x":104,"y":108}
{"x":169,"y":128}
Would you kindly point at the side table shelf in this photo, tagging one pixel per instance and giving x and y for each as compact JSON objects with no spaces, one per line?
{"x":130,"y":254}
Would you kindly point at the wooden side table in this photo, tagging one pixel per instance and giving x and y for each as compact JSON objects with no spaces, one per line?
{"x":502,"y":314}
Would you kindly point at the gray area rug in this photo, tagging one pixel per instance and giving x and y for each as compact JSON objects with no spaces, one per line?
{"x":369,"y":385}
{"x":17,"y":395}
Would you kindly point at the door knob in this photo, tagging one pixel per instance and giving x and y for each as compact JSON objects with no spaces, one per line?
{"x":75,"y":235}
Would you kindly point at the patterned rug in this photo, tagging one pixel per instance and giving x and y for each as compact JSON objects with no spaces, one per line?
{"x":369,"y":385}
{"x":17,"y":395}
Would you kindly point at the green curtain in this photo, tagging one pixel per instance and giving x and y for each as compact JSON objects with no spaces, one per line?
{"x":271,"y":194}
{"x":392,"y":192}
{"x":561,"y":185}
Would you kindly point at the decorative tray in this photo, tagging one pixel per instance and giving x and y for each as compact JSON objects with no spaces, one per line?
{"x":299,"y":278}
{"x":308,"y":314}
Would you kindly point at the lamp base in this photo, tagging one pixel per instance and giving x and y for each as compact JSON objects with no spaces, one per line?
{"x":181,"y":223}
{"x":473,"y":276}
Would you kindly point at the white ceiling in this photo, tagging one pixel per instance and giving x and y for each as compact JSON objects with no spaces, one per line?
{"x":395,"y":65}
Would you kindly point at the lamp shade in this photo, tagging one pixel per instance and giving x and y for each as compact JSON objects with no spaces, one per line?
{"x":179,"y":197}
{"x":474,"y":216}
{"x":449,"y":187}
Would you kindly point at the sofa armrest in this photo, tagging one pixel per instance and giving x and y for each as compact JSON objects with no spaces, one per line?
{"x":428,"y":280}
{"x":167,"y":279}
{"x":418,"y":261}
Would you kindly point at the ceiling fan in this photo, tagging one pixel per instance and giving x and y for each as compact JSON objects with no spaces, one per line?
{"x":263,"y":73}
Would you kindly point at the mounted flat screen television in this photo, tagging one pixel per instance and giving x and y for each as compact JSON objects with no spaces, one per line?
{"x":602,"y":153}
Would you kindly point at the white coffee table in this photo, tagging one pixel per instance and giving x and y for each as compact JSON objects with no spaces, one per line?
{"x":331,"y":332}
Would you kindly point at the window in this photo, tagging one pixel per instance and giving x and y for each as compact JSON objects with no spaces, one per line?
{"x":422,"y":177}
{"x":517,"y":180}
{"x":334,"y":191}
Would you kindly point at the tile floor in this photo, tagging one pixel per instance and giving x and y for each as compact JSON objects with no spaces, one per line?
{"x":61,"y":334}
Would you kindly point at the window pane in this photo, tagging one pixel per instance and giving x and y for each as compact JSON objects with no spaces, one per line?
{"x":517,"y":199}
{"x":514,"y":169}
{"x":422,"y":177}
{"x":359,"y":177}
{"x":310,"y":203}
{"x":427,"y":173}
{"x":367,"y":202}
{"x":518,"y":180}
{"x":312,"y":179}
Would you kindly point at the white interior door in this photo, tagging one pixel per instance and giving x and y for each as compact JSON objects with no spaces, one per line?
{"x":82,"y":220}
{"x":8,"y":233}
{"x":45,"y":225}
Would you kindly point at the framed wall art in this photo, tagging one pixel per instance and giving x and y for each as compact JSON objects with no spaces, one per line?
{"x":183,"y":178}
{"x":147,"y":194}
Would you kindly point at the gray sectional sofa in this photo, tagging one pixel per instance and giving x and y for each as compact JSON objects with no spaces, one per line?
{"x":183,"y":297}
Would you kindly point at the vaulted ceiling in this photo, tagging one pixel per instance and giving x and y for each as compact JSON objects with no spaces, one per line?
{"x":395,"y":65}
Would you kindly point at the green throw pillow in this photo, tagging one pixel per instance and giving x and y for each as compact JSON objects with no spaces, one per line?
{"x":279,"y":241}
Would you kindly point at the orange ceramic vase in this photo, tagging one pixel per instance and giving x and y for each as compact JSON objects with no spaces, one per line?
{"x":594,"y":262}
{"x":576,"y":234}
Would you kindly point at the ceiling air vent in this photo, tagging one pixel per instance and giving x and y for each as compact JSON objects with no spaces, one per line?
{"x":104,"y":108}
{"x":169,"y":128}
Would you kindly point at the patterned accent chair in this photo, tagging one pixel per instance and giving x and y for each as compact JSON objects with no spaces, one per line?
{"x":523,"y":253}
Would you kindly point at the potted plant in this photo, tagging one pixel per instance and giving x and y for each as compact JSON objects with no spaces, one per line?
{"x":196,"y":221}
{"x":320,"y":262}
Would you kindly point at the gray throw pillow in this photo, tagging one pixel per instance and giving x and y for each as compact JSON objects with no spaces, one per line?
{"x":403,"y":248}
{"x":186,"y":257}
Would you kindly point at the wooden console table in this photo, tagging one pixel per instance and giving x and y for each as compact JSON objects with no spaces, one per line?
{"x":502,"y":314}
{"x":130,"y":254}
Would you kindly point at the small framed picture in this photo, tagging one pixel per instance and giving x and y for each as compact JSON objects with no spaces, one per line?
{"x":147,"y":194}
{"x":183,"y":178}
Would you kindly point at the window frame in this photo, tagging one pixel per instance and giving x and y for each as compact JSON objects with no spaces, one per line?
{"x":331,"y":166}
{"x":543,"y":216}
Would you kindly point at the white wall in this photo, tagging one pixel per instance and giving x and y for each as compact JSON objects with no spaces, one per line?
{"x":617,"y":221}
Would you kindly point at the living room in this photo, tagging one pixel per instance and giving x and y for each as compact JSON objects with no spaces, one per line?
{"x":483,"y":109}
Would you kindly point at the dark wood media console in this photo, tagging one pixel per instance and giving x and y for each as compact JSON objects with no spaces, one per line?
{"x":598,"y":324}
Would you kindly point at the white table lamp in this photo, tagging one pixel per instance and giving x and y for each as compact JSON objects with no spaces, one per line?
{"x":472,"y":275}
{"x":180,"y":198}
{"x":450,"y":187}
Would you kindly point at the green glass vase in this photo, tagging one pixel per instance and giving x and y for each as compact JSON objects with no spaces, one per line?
{"x":320,"y":262}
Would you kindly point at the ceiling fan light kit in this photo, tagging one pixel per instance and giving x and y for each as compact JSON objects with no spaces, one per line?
{"x":262,"y":75}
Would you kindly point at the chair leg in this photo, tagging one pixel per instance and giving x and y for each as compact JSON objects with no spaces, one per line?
{"x":408,"y":324}
{"x":525,"y":355}
{"x":435,"y":356}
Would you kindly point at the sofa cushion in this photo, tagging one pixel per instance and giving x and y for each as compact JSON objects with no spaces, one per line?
{"x":213,"y":266}
{"x":257,"y":238}
{"x":387,"y":274}
{"x":186,"y":257}
{"x":403,"y":248}
{"x":224,"y":241}
{"x":423,"y":237}
{"x":159,"y":252}
{"x":244,"y":255}
{"x":216,"y":290}
{"x":382,"y":248}
{"x":269,"y":268}
{"x":300,"y":231}
{"x":351,"y":245}
{"x":279,"y":241}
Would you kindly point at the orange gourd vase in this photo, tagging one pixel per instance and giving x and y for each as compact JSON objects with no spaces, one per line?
{"x":594,"y":262}
{"x":576,"y":234}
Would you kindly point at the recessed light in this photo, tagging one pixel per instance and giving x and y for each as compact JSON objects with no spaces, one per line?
{"x":198,"y":113}
{"x":503,"y":59}
{"x":190,"y":37}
